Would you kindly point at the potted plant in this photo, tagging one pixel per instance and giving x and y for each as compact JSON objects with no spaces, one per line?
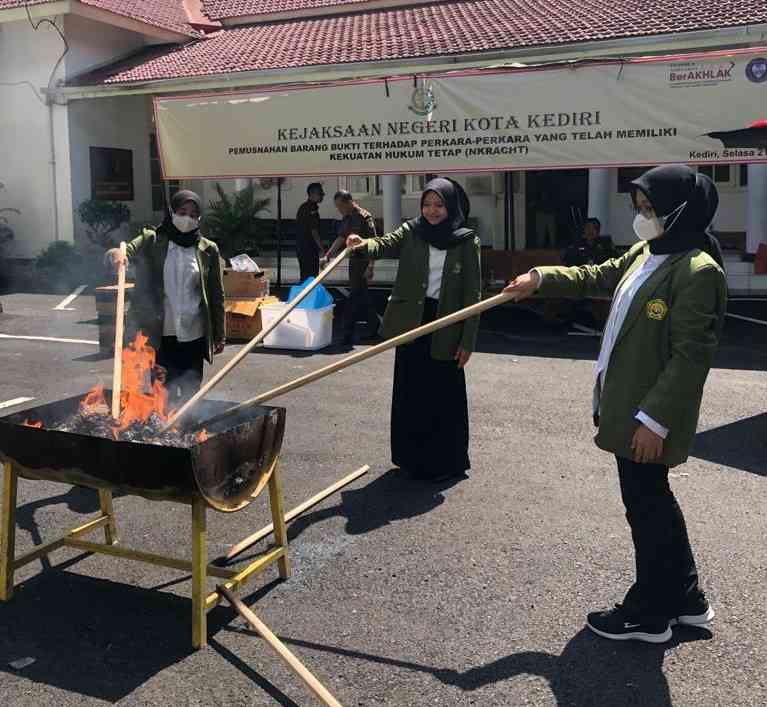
{"x":233,"y":222}
{"x":102,"y":219}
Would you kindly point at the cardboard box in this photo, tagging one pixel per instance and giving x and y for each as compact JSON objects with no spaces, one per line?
{"x":246,"y":285}
{"x":243,"y":317}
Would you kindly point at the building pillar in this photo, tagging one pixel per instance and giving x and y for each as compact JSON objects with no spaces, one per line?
{"x":599,"y":197}
{"x":63,"y":208}
{"x":392,"y":201}
{"x":756,"y":233}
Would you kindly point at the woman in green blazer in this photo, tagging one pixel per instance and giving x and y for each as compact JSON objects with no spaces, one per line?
{"x":439,"y":273}
{"x":179,"y":298}
{"x":669,"y":297}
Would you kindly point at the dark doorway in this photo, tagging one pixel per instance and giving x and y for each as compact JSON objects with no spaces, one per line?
{"x":556,"y":204}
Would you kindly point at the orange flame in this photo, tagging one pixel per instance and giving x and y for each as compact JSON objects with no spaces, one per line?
{"x":94,"y":402}
{"x":32,"y":423}
{"x":140,"y":396}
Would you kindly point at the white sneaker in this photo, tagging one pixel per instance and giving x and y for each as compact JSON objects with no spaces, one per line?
{"x":701,"y":620}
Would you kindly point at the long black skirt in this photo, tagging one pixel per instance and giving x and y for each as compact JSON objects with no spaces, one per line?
{"x":429,"y":412}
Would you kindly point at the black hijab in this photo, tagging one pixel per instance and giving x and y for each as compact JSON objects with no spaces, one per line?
{"x":185,"y":240}
{"x":452,"y":231}
{"x":689,"y":200}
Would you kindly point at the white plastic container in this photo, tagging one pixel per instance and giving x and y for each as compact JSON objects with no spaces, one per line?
{"x":305,"y":329}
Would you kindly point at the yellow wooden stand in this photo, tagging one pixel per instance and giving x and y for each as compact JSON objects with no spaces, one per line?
{"x":202,"y":601}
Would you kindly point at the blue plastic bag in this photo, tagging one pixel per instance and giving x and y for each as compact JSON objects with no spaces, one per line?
{"x":318,"y":298}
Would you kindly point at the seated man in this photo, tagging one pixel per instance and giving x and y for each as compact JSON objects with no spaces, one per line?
{"x":592,"y":249}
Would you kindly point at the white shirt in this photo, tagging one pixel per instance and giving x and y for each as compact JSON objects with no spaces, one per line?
{"x":183,"y":298}
{"x":436,"y":267}
{"x":622,"y":300}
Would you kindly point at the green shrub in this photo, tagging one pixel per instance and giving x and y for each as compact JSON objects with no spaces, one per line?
{"x":103,"y":218}
{"x":232,"y":221}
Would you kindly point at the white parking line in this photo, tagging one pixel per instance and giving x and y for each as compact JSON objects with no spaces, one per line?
{"x":747,"y":319}
{"x":15,"y":401}
{"x":64,"y":304}
{"x":49,"y":338}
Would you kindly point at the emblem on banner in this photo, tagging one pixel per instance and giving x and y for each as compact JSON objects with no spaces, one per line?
{"x":423,"y":101}
{"x":756,"y":70}
{"x":657,"y":309}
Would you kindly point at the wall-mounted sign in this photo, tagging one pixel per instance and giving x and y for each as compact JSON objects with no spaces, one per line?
{"x":111,"y":174}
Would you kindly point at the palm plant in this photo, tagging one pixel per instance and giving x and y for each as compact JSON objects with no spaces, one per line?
{"x":233,"y":221}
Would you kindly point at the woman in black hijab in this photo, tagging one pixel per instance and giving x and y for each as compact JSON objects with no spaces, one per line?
{"x":669,"y":295}
{"x":439,"y":273}
{"x":178,"y":302}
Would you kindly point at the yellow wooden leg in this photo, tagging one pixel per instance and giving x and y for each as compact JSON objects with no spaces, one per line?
{"x":199,"y":574}
{"x":8,"y":532}
{"x":107,"y":508}
{"x":278,"y":518}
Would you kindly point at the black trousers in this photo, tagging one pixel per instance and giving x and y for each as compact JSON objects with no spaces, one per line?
{"x":183,"y":362}
{"x":429,"y":411}
{"x":666,"y":575}
{"x":359,"y":305}
{"x":308,"y":257}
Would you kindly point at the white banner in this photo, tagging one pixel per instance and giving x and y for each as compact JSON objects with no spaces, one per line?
{"x":702,"y":108}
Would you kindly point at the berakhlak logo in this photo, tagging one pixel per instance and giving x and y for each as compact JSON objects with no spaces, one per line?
{"x":423,"y":101}
{"x":756,"y":70}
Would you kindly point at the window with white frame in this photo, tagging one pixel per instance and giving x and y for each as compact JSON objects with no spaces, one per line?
{"x":360,"y":185}
{"x":723,"y":175}
{"x":155,"y":174}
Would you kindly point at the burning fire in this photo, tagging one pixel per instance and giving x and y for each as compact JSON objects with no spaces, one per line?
{"x":33,"y":423}
{"x":142,"y":393}
{"x":143,"y":397}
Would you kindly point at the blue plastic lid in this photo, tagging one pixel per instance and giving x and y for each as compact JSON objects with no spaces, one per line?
{"x":318,"y":298}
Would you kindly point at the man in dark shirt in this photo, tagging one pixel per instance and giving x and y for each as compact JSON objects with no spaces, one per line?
{"x":355,"y":220}
{"x":592,"y":249}
{"x":308,"y":244}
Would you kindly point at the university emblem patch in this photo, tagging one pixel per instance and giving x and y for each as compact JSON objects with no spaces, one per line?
{"x":657,"y":309}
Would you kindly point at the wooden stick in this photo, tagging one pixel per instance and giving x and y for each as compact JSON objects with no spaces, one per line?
{"x":245,"y":350}
{"x":281,"y":649}
{"x":405,"y":338}
{"x":267,"y":530}
{"x":117,"y":376}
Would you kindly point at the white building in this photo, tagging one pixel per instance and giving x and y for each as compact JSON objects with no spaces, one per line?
{"x":77,"y":79}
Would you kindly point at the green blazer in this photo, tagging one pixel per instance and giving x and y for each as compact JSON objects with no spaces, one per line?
{"x":147,"y":312}
{"x":461,"y":287}
{"x":664,"y":349}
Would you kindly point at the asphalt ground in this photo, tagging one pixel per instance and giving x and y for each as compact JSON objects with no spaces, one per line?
{"x":472,"y":593}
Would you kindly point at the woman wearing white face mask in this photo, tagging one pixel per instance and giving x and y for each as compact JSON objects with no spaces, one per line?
{"x":669,"y":296}
{"x":179,"y":297}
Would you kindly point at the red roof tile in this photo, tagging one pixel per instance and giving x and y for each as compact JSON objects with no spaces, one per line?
{"x":444,"y":28}
{"x":166,"y":14}
{"x":225,"y":9}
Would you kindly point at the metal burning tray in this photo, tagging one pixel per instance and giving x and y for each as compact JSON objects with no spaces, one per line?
{"x":225,"y":469}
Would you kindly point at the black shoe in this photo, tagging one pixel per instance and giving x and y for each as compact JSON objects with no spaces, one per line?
{"x":617,"y":625}
{"x":697,"y":612}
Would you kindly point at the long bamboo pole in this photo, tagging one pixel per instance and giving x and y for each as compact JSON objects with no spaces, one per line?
{"x":319,"y":690}
{"x":117,"y":374}
{"x":459,"y":316}
{"x":245,"y":350}
{"x":267,"y":530}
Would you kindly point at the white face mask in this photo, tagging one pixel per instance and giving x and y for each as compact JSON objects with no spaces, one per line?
{"x":185,"y":224}
{"x":647,"y":228}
